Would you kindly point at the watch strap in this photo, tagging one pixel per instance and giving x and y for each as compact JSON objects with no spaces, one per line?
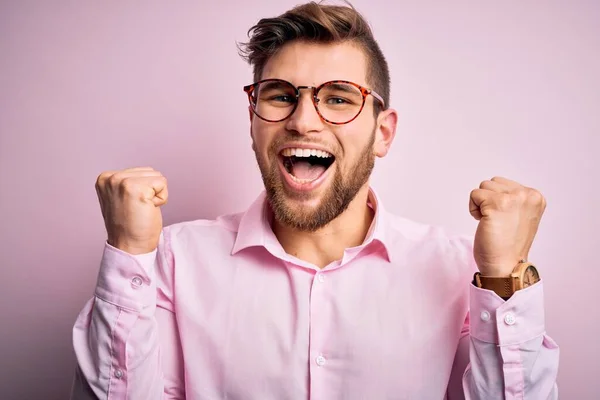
{"x":502,"y":286}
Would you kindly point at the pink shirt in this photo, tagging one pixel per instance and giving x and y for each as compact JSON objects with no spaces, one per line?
{"x":220,"y":311}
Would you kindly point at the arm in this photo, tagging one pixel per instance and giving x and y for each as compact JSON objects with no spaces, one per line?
{"x":125,"y":338}
{"x":505,"y":357}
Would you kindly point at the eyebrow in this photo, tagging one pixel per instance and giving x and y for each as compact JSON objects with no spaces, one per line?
{"x":343,"y":87}
{"x":274,"y":85}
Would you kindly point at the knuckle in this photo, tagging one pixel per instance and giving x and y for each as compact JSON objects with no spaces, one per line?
{"x":521,"y":194}
{"x":536,"y":197}
{"x":505,"y":202}
{"x":101,"y":179}
{"x":114,"y":180}
{"x":127,"y":185}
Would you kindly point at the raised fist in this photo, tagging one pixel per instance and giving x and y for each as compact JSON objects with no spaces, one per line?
{"x":130,"y":201}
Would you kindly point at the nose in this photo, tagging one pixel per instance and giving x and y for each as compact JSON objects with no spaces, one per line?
{"x":305,"y":118}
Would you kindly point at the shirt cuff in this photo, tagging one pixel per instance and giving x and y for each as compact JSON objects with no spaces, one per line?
{"x":127,"y":280}
{"x":517,"y":320}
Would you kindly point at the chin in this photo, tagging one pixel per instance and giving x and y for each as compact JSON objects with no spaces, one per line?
{"x":305,"y":211}
{"x":303,"y":203}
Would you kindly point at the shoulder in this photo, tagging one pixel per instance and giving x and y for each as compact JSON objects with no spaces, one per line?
{"x":429,"y":242}
{"x":421,"y":232}
{"x":220,"y":230}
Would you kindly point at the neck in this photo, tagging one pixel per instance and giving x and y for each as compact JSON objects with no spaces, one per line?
{"x":327,"y":244}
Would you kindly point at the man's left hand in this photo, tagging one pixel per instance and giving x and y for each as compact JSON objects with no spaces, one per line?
{"x":509,"y":215}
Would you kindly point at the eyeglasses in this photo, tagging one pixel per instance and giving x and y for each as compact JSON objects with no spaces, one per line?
{"x":337,"y":102}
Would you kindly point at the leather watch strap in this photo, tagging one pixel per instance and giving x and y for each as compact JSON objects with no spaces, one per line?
{"x":503,"y":287}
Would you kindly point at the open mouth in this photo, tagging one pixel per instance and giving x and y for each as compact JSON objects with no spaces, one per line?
{"x":306,"y":165}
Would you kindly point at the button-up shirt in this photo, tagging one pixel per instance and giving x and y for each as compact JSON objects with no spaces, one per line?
{"x":220,"y":311}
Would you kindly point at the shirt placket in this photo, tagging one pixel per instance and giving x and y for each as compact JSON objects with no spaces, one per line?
{"x":318,"y":353}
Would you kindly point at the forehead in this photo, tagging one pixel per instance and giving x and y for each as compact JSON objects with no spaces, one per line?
{"x":311,"y":64}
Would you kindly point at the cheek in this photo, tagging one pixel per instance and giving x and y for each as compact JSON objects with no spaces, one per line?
{"x":354,"y":143}
{"x":262,"y":136}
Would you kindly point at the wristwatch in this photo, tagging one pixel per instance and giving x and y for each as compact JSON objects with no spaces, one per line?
{"x":523,"y":275}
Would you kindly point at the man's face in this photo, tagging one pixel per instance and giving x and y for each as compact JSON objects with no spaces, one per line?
{"x":306,"y":193}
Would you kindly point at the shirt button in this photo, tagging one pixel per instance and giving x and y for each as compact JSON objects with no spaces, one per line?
{"x":136,"y":282}
{"x":320,"y":361}
{"x":118,"y":374}
{"x":510,"y":319}
{"x":485,"y":316}
{"x":321,"y":277}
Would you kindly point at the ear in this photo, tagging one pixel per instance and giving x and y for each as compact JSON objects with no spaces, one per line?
{"x":385,"y":131}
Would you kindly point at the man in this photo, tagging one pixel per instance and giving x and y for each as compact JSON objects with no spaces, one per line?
{"x":315,"y":291}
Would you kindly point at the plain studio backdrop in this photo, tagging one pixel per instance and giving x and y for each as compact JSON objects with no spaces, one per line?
{"x":505,"y":88}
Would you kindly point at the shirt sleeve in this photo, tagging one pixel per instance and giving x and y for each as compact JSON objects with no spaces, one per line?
{"x":509,"y":354}
{"x":116,"y":337}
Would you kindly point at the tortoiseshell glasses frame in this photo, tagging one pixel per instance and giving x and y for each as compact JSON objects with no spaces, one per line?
{"x":250,"y":89}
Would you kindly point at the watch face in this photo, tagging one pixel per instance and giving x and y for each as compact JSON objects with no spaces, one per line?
{"x":530,"y":277}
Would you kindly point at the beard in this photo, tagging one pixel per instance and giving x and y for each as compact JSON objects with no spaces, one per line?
{"x":335,"y":200}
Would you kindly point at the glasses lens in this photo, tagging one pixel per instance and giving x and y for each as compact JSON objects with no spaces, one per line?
{"x":339,"y":102}
{"x":274,"y":100}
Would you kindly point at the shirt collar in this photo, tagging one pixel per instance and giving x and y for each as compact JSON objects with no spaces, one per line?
{"x":255,"y":228}
{"x":379,"y":232}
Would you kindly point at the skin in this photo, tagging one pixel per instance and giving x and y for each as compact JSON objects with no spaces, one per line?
{"x":509,"y":213}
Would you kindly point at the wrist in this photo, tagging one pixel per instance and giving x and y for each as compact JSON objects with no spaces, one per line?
{"x":502,"y":269}
{"x":129,"y":247}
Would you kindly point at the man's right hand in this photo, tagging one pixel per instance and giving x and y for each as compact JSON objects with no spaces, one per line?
{"x":130,"y":201}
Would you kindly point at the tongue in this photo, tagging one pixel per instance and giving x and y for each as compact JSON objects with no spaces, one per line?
{"x":304,"y":170}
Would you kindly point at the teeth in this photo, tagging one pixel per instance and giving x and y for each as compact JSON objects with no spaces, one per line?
{"x":305,"y":153}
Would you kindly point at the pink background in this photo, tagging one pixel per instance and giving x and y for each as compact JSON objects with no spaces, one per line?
{"x":506,"y":88}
